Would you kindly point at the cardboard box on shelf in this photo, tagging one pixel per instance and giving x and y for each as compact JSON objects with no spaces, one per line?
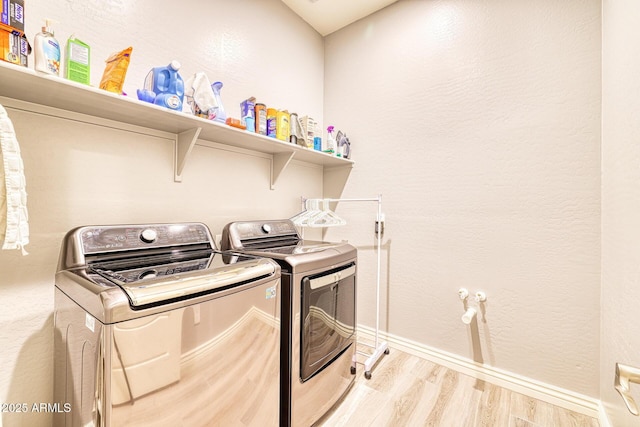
{"x":14,"y":46}
{"x":12,"y":13}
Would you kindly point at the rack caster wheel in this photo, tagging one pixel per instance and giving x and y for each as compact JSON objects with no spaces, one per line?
{"x":386,"y":351}
{"x":353,"y":370}
{"x":367,"y":375}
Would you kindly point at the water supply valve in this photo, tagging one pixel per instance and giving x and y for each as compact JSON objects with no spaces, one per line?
{"x":481,"y":296}
{"x":468,"y":315}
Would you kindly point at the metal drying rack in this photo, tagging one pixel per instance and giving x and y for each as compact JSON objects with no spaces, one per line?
{"x":316,"y":216}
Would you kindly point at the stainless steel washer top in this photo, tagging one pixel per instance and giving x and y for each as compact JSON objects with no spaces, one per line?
{"x":151,"y":266}
{"x":280,"y":240}
{"x":150,"y":314}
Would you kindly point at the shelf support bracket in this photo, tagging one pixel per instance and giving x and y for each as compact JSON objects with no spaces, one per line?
{"x":279,"y":162}
{"x":183,"y":145}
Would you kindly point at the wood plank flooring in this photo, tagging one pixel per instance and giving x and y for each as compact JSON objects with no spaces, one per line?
{"x":405,"y":390}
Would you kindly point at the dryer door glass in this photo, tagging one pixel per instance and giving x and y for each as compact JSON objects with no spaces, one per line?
{"x":328,"y":318}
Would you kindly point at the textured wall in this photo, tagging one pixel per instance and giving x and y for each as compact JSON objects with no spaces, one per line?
{"x":620,"y":201}
{"x":86,"y":174}
{"x":249,"y":45}
{"x":479,"y":122}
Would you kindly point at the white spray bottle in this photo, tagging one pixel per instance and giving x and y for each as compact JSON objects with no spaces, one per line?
{"x":331,"y":142}
{"x":47,"y":50}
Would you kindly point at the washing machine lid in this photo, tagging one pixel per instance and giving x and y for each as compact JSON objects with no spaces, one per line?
{"x":153,"y":264}
{"x":155,"y":281}
{"x":272,"y":238}
{"x":299,"y":248}
{"x":280,"y":240}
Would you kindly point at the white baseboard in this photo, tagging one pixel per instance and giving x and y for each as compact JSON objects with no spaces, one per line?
{"x":545,"y":392}
{"x":602,"y":417}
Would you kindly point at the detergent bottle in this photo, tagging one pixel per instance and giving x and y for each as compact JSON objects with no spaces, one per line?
{"x":167,"y":85}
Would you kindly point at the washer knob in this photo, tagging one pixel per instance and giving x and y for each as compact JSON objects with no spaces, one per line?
{"x":266,"y":228}
{"x":149,"y":274}
{"x":148,"y":235}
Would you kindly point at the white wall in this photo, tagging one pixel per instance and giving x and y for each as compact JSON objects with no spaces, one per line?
{"x":620,"y":202}
{"x":249,"y":45}
{"x":479,"y":122}
{"x":83,"y":173}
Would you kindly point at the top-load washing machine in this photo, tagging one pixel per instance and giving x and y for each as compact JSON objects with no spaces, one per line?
{"x":154,"y":326}
{"x":318,"y":314}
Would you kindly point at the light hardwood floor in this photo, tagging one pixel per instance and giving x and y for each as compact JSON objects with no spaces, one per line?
{"x":405,"y":390}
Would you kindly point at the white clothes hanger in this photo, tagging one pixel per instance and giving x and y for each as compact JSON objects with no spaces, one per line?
{"x":314,"y":216}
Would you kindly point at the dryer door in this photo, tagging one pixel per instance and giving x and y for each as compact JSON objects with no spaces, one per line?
{"x":328,"y":317}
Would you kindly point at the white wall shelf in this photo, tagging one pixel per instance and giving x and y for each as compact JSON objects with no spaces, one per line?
{"x":26,"y":85}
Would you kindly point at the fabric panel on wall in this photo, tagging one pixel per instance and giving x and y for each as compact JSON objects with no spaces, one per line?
{"x":14,"y":225}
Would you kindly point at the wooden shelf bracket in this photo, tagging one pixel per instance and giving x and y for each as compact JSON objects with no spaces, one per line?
{"x":184,"y":144}
{"x":279,"y":162}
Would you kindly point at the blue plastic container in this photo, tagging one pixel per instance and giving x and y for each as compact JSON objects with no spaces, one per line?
{"x":167,"y":84}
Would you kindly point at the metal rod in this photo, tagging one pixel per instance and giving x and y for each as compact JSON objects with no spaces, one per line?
{"x":372,"y":199}
{"x":377,"y":199}
{"x":379,"y":219}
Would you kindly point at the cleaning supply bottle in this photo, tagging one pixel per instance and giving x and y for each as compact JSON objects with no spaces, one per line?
{"x":283,"y":125}
{"x":220,"y":115}
{"x":331,"y":142}
{"x":47,"y":51}
{"x":272,"y":115}
{"x":167,"y":85}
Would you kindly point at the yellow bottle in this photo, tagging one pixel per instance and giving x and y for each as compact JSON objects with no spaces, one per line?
{"x":283,"y":127}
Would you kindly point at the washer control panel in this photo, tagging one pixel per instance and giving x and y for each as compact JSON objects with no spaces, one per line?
{"x":128,"y":237}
